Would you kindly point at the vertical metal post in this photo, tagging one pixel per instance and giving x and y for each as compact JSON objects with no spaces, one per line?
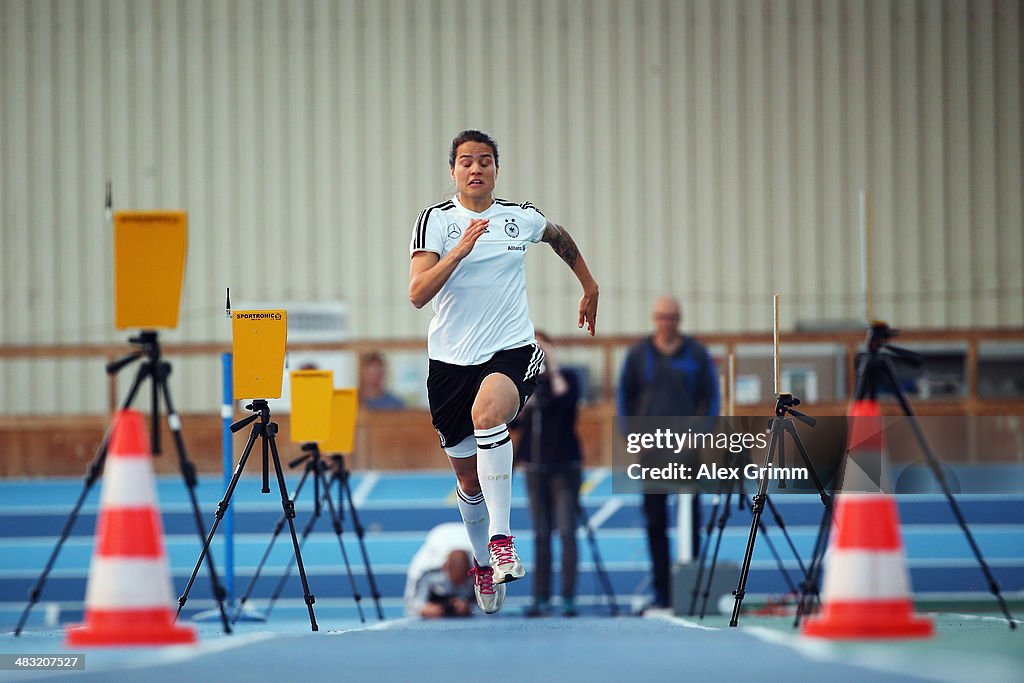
{"x":227,"y":413}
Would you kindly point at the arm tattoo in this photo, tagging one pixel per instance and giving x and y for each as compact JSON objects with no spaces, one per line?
{"x":562,"y":243}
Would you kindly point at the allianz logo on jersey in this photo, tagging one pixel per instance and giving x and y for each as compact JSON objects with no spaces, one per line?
{"x":517,"y":247}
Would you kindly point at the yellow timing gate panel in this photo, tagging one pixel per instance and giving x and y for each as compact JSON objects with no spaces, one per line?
{"x":149,"y":268}
{"x":344,"y":410}
{"x":258,"y":340}
{"x":312,"y":393}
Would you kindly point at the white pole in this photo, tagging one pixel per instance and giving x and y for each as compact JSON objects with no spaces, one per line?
{"x":865,"y":253}
{"x":723,"y":387}
{"x":775,"y":344}
{"x":684,"y":528}
{"x":732,"y":384}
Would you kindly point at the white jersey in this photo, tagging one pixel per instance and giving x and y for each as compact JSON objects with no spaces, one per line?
{"x":482,"y":308}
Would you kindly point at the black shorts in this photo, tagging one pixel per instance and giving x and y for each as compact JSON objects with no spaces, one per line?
{"x":451,"y":389}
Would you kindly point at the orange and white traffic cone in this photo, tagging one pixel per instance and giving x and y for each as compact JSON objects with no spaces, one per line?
{"x":128,"y":600}
{"x":866,"y":592}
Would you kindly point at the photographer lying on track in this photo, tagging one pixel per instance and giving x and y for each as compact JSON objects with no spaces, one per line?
{"x":444,"y":592}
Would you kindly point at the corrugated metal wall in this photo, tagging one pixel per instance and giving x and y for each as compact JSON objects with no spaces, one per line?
{"x":711,"y":149}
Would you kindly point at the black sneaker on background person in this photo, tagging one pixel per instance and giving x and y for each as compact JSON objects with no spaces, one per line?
{"x":538,"y":608}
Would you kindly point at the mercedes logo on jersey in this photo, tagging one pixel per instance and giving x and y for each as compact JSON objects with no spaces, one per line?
{"x":511,"y":229}
{"x":453,"y":231}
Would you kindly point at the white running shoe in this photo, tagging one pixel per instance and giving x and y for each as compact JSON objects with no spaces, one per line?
{"x":505,"y":560}
{"x":488,"y":596}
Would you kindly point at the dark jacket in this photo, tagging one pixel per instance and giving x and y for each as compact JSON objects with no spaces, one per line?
{"x":547,"y":425}
{"x":653,"y":384}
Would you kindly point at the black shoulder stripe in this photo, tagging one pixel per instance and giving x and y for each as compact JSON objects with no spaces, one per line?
{"x":521,"y":205}
{"x":420,"y":240}
{"x":417,"y":242}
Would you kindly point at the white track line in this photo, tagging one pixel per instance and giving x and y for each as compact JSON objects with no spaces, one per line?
{"x":595,"y":478}
{"x":865,"y":656}
{"x":184,"y":653}
{"x":362,"y":491}
{"x":606,"y":511}
{"x":981,"y":617}
{"x":177,"y":654}
{"x":679,"y":621}
{"x":379,"y":626}
{"x":860,"y":654}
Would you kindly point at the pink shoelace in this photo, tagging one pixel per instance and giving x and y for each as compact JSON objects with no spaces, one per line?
{"x":503,"y":550}
{"x":483,"y":577}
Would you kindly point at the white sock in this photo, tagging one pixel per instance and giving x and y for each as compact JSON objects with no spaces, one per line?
{"x":474,"y":516}
{"x":494,"y":468}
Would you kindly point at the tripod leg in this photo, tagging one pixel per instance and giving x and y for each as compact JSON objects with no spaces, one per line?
{"x":154,"y":407}
{"x":722,"y":521}
{"x":358,"y":527}
{"x":278,"y":526}
{"x":90,"y":480}
{"x":756,"y":508}
{"x":809,"y":589}
{"x":785,"y":534}
{"x":865,"y":386}
{"x":775,"y":554}
{"x":222,"y":507}
{"x":336,"y":524}
{"x":704,"y":549}
{"x":188,"y":473}
{"x":595,"y":553}
{"x":93,"y":473}
{"x":936,"y":468}
{"x":279,"y":588}
{"x":289,"y":510}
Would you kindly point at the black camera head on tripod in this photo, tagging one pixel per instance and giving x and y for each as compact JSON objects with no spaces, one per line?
{"x":784,"y":406}
{"x":337,"y":466}
{"x":879,"y":332}
{"x":310,"y":450}
{"x":878,"y":338}
{"x":786,"y":400}
{"x":260,"y":410}
{"x":149,"y":345}
{"x":145,"y":339}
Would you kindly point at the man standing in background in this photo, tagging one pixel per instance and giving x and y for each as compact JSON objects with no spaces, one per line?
{"x":666,"y":374}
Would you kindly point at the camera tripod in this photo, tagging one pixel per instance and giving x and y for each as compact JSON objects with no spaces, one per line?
{"x":321,"y":493}
{"x":877,"y":371}
{"x":781,"y":424}
{"x":595,"y":553}
{"x":266,"y":431}
{"x":724,"y":498}
{"x":157,"y":370}
{"x":340,"y":475}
